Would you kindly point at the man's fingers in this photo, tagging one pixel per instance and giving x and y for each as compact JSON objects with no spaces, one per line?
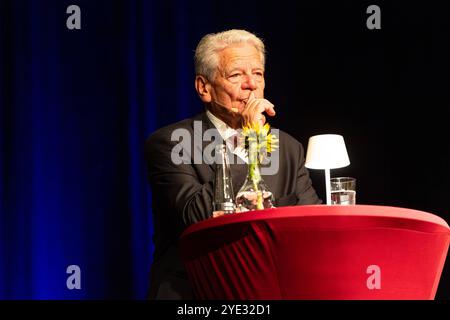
{"x":270,"y":109}
{"x":251,"y":96}
{"x":218,"y":214}
{"x":251,"y":101}
{"x":255,"y":108}
{"x":261,"y":119}
{"x":266,"y":106}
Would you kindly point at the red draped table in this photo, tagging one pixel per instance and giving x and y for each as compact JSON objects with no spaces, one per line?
{"x":317,"y":252}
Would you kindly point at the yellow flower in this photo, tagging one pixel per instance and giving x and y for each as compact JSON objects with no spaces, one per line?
{"x":265,"y":142}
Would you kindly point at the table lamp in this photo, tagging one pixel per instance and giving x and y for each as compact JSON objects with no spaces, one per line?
{"x":326,"y":151}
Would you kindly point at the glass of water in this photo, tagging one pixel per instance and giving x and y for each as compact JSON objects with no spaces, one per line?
{"x":343,"y":190}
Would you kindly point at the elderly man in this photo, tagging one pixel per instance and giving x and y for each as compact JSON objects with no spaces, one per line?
{"x":230,"y":81}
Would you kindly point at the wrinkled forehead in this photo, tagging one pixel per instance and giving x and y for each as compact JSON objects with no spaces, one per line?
{"x":239,"y":56}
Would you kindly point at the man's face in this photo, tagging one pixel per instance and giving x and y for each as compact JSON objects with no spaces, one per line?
{"x":240,"y":71}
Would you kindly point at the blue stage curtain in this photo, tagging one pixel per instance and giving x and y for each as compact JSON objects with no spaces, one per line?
{"x":75,"y":109}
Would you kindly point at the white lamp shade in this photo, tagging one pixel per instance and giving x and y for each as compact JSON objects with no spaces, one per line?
{"x":326,"y":151}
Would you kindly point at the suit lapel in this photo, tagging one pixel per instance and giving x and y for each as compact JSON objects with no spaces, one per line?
{"x":238,"y":174}
{"x":206,"y":124}
{"x":238,"y":170}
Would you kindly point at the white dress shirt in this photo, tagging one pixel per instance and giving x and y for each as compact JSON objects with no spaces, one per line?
{"x":228,"y":134}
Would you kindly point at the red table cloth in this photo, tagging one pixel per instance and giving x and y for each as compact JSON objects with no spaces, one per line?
{"x":317,"y":252}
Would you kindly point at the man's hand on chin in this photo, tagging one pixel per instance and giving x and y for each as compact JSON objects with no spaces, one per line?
{"x":254,"y":109}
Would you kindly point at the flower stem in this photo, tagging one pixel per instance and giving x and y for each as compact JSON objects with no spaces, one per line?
{"x":254,"y":173}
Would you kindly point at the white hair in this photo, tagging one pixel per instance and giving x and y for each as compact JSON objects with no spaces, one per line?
{"x":206,"y":55}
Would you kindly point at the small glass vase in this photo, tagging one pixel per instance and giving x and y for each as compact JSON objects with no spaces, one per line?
{"x":254,"y":193}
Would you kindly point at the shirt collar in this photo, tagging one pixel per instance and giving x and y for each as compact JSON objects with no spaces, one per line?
{"x":225,"y":131}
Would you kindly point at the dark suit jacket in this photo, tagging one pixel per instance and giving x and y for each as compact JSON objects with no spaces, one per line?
{"x":182,"y":195}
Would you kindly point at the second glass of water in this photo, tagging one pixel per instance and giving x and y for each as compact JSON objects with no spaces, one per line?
{"x":343,"y":190}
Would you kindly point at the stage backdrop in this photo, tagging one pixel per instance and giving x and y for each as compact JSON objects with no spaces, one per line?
{"x":76,"y":106}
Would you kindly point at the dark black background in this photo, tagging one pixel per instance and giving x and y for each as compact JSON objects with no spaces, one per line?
{"x":385,"y":91}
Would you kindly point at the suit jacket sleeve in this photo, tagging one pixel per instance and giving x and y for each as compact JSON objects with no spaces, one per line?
{"x":177,"y":192}
{"x":304,"y":189}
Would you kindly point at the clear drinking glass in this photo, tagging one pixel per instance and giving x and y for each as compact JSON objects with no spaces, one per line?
{"x":343,"y":190}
